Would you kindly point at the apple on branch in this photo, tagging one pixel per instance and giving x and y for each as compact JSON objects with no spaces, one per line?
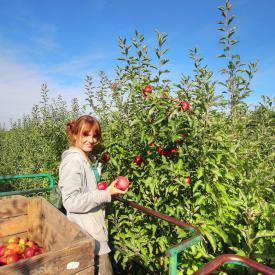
{"x":138,"y":160}
{"x":147,"y":89}
{"x":188,"y":180}
{"x":185,"y":105}
{"x":106,"y":157}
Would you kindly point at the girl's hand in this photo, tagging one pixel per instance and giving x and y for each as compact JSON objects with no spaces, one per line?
{"x":115,"y":191}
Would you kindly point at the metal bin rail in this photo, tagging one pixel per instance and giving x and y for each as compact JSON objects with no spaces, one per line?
{"x":20,"y":192}
{"x":234,"y":259}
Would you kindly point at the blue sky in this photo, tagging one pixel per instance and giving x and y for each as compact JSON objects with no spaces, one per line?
{"x":58,"y":42}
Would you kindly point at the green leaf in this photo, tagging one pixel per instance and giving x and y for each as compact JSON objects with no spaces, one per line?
{"x":231,"y":18}
{"x":228,"y":5}
{"x":199,"y":200}
{"x":164,"y":61}
{"x":151,"y":111}
{"x":208,"y":188}
{"x":216,"y":172}
{"x":196,"y":185}
{"x":134,"y":122}
{"x":220,"y":232}
{"x":159,"y":121}
{"x":200,"y":171}
{"x":233,"y":42}
{"x":179,"y":165}
{"x":238,"y":251}
{"x":265,"y":233}
{"x":211,"y":239}
{"x":229,"y":176}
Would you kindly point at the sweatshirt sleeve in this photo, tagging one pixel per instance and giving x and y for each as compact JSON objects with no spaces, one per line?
{"x":73,"y":199}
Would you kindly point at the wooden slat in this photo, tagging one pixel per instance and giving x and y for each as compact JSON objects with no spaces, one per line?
{"x":13,"y":225}
{"x":77,"y":258}
{"x":13,"y":206}
{"x":54,"y":262}
{"x":12,"y":197}
{"x":52,"y":218}
{"x":35,"y":220}
{"x":86,"y":271}
{"x":52,"y":238}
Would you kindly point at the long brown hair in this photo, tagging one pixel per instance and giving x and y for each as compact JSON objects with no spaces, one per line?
{"x":82,"y":126}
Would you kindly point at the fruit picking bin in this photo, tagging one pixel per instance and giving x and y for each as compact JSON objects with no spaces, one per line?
{"x":67,"y":248}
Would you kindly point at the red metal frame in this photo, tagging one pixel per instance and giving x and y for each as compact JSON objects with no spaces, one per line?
{"x":220,"y":260}
{"x":159,"y":215}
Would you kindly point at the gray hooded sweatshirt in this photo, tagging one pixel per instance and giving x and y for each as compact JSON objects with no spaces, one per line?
{"x":81,"y":198}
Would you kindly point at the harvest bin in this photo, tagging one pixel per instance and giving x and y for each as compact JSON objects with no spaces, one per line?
{"x":67,"y":248}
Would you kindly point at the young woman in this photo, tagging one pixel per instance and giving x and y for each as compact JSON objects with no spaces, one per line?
{"x":82,"y":200}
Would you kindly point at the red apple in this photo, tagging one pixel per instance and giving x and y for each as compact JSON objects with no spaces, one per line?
{"x":3,"y":260}
{"x":29,"y":252}
{"x":102,"y":185}
{"x":160,"y":150}
{"x":8,"y":252}
{"x":13,"y":258}
{"x":14,"y":247}
{"x":122,"y":183}
{"x":30,"y":243}
{"x":40,"y":250}
{"x":152,"y":145}
{"x":106,"y":157}
{"x":184,"y":105}
{"x":147,"y":89}
{"x":13,"y":240}
{"x":138,"y":160}
{"x":188,"y":180}
{"x":173,"y":150}
{"x":2,"y":250}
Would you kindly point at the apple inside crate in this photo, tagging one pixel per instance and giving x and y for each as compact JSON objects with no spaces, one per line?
{"x":67,"y":249}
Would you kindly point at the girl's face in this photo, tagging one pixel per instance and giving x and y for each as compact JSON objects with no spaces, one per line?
{"x":86,"y":141}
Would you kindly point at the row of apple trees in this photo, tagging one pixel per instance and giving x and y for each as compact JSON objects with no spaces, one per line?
{"x":190,"y":152}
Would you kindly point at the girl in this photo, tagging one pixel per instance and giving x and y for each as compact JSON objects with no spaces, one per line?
{"x":82,"y":200}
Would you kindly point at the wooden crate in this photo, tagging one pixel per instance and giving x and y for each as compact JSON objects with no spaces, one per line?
{"x":68,"y":249}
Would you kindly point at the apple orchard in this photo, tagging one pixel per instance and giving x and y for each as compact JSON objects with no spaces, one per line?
{"x":188,"y":151}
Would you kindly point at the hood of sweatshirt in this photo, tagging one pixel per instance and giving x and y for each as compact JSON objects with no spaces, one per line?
{"x":75,"y":150}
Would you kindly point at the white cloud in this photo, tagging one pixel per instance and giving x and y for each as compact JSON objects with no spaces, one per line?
{"x":20,"y":86}
{"x":45,"y":43}
{"x":19,"y":89}
{"x":82,"y":65}
{"x":20,"y":83}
